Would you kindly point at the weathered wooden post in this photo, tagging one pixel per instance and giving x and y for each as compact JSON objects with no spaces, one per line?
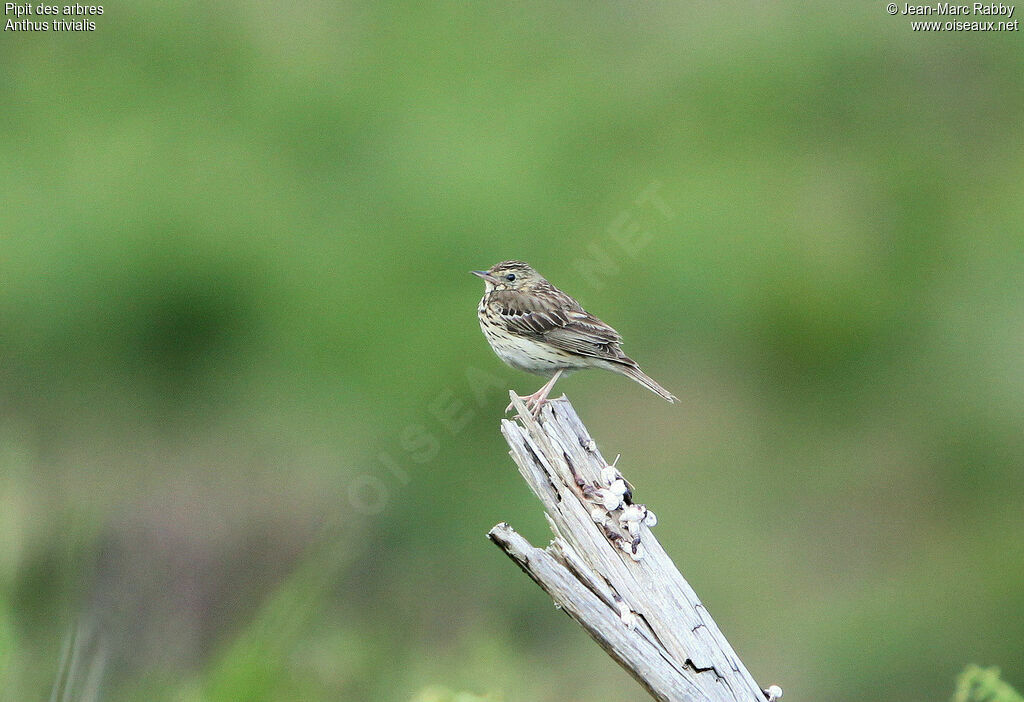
{"x":606,"y":569}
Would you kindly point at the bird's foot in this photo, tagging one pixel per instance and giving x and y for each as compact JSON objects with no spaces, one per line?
{"x":533,"y":402}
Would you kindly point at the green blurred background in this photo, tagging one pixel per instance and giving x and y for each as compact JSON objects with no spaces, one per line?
{"x":248,"y":423}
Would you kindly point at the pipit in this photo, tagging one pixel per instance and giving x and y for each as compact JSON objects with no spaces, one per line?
{"x":535,"y":327}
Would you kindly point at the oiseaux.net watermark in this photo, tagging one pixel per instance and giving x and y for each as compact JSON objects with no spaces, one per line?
{"x":952,"y":17}
{"x":452,"y":409}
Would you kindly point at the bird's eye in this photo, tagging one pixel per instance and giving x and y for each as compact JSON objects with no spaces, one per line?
{"x":510,"y":277}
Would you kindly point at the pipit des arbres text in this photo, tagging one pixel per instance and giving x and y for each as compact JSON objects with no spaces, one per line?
{"x":535,"y":327}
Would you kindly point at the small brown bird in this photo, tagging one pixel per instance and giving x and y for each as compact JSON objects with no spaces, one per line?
{"x":535,"y":327}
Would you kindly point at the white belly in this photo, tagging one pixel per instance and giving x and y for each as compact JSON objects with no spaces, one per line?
{"x":527,"y":354}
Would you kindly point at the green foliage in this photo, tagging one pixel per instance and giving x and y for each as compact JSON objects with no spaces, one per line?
{"x":978,"y":684}
{"x":440,"y":694}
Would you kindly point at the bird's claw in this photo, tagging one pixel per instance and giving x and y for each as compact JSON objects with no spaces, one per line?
{"x":533,"y":404}
{"x":538,"y":399}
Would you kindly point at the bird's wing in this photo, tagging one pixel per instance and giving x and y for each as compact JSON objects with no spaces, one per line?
{"x":557,"y":319}
{"x":587,"y":335}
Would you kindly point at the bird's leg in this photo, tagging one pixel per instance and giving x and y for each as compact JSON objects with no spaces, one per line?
{"x":541,"y":396}
{"x":537,"y":399}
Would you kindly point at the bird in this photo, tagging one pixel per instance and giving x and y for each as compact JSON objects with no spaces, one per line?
{"x":535,"y":327}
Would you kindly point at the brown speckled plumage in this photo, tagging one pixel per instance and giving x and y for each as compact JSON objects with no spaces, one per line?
{"x":535,"y":327}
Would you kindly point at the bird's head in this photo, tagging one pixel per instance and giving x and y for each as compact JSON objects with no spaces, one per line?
{"x":510,"y":275}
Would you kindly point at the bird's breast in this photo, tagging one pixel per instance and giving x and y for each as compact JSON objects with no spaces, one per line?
{"x":524,"y":353}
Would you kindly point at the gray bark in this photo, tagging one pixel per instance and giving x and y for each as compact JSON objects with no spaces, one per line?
{"x":606,"y":569}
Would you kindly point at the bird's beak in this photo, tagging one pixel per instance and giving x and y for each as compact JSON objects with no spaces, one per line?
{"x":486,"y":276}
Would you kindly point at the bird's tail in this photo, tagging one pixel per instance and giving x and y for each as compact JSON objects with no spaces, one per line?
{"x":647,"y":381}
